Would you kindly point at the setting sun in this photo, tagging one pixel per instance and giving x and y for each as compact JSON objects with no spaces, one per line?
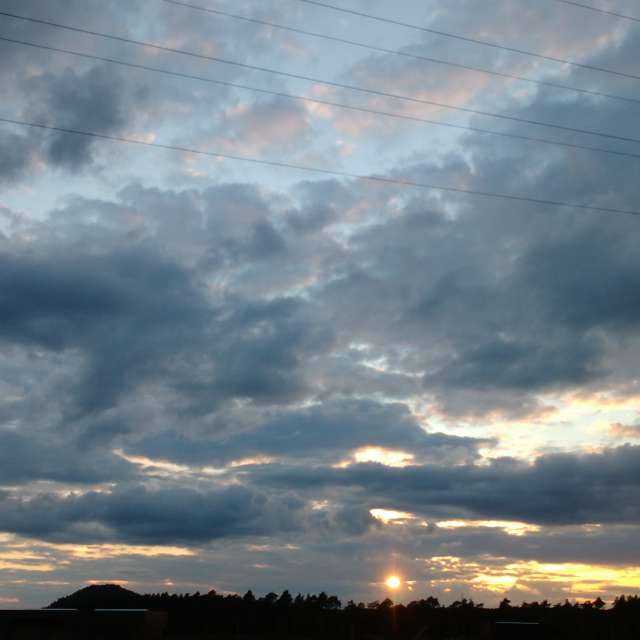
{"x":393,"y":582}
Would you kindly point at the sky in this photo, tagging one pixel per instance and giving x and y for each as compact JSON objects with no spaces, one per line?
{"x":223,"y":375}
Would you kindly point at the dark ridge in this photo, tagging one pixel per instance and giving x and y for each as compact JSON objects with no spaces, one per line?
{"x":100,"y":596}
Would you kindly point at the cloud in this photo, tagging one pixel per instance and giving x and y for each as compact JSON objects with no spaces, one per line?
{"x":620,"y":430}
{"x":136,"y":514}
{"x":329,"y":432}
{"x":25,"y":459}
{"x":97,"y":100}
{"x":274,"y":124}
{"x":117,"y":308}
{"x":18,"y":153}
{"x":557,"y":489}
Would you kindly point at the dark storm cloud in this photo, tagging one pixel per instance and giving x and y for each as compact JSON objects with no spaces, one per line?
{"x":61,"y":90}
{"x":611,"y":544}
{"x":57,"y":89}
{"x":547,"y":322}
{"x":501,"y":303}
{"x":262,"y":349}
{"x":97,"y":100}
{"x":120,"y":309}
{"x":322,"y":202}
{"x":136,"y":514}
{"x":17,"y":152}
{"x":558,"y":489}
{"x":520,"y":365}
{"x":325,"y":432}
{"x":470,"y":318}
{"x":136,"y":315}
{"x":25,"y":458}
{"x":586,"y":281}
{"x":257,"y":351}
{"x":107,"y":15}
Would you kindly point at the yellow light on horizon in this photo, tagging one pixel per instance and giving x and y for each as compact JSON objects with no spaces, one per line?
{"x":387,"y":457}
{"x":389,"y":516}
{"x":393,"y":582}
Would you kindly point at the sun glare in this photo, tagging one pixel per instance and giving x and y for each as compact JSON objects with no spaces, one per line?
{"x":393,"y":582}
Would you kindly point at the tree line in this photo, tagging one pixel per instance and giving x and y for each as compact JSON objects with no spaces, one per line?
{"x":322,"y":615}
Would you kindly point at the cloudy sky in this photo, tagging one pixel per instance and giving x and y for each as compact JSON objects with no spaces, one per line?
{"x":218,"y":374}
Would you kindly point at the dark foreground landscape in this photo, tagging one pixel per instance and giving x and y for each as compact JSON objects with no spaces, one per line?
{"x":103,"y":612}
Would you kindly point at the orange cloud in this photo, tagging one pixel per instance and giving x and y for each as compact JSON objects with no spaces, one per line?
{"x":620,"y":430}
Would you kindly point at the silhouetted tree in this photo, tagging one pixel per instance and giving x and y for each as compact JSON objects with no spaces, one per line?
{"x":385,"y":605}
{"x":285,"y":599}
{"x":248,"y":597}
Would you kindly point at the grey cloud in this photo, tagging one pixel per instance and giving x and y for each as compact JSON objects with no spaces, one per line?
{"x":520,"y":365}
{"x":118,"y":308}
{"x":97,"y":100}
{"x":135,"y":514}
{"x":558,"y":489}
{"x":261,"y":349}
{"x":106,"y":15}
{"x":136,"y":315}
{"x":585,"y":281}
{"x":274,"y":123}
{"x":325,"y":432}
{"x":501,"y":303}
{"x":29,"y":457}
{"x":346,"y":520}
{"x":322,"y":202}
{"x":17,"y":152}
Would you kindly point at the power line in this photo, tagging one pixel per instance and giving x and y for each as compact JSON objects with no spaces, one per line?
{"x":405,"y":54}
{"x":329,"y":83}
{"x":598,"y":10}
{"x":291,"y":96}
{"x":340,"y":174}
{"x":485,"y":43}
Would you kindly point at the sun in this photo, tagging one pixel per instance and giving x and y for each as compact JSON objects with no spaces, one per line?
{"x":393,"y":582}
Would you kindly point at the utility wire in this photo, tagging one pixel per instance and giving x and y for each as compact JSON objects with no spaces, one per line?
{"x":485,"y":43}
{"x":330,"y":83}
{"x":598,"y":10}
{"x":332,"y":172}
{"x":396,"y":52}
{"x":291,"y":96}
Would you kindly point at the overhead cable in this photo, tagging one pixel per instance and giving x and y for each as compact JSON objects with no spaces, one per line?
{"x":330,"y":83}
{"x":329,"y":103}
{"x":590,"y":7}
{"x":332,"y":172}
{"x":484,"y":43}
{"x":404,"y":54}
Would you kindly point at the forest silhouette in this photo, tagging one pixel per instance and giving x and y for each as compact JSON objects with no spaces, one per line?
{"x":315,"y":616}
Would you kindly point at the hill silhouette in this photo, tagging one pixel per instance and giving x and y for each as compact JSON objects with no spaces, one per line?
{"x":100,"y":596}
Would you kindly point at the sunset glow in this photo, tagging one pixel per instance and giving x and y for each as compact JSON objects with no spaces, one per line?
{"x":388,"y":516}
{"x":386,"y":457}
{"x":511,"y":528}
{"x":393,"y":582}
